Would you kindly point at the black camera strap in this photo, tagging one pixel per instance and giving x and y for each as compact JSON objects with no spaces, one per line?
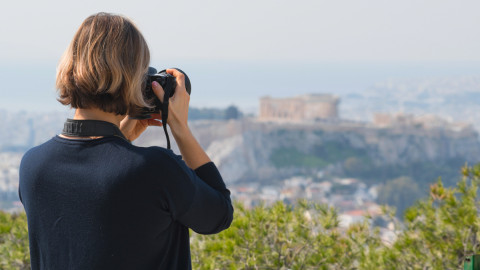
{"x":87,"y":128}
{"x":166,"y":98}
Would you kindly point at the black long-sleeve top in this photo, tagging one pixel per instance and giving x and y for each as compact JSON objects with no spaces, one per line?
{"x":107,"y":204}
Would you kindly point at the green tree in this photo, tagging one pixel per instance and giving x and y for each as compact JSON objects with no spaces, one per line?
{"x":400,"y":193}
{"x":279,"y":237}
{"x":441,"y":231}
{"x":14,"y":250}
{"x":232,"y":112}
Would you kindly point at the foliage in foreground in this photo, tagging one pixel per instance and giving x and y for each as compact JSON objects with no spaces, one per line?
{"x":282,"y":237}
{"x":14,"y":251}
{"x":439,"y":232}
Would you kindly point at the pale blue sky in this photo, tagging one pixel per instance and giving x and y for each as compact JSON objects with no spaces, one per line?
{"x":358,"y":30}
{"x":34,"y":34}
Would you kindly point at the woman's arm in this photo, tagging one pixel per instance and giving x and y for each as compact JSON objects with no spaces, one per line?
{"x":210,"y":209}
{"x":193,"y":154}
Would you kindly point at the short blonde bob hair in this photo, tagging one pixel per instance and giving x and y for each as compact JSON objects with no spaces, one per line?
{"x":104,"y":66}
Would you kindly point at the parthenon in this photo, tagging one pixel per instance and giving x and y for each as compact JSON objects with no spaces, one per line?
{"x":309,"y":107}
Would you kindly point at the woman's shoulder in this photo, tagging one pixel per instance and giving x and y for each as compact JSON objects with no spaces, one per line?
{"x":156,"y":151}
{"x":39,"y":149}
{"x":156,"y":154}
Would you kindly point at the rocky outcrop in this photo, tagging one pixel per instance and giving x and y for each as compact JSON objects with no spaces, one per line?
{"x":242,"y":149}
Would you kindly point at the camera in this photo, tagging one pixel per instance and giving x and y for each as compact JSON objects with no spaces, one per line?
{"x":168,"y":83}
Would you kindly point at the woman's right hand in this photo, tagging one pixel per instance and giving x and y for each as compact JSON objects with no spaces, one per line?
{"x":191,"y":151}
{"x":178,"y":103}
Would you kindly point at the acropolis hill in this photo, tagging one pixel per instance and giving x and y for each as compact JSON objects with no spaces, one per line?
{"x":246,"y":149}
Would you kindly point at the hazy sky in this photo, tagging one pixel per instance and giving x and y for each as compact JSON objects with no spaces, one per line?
{"x":357,"y":30}
{"x":34,"y":34}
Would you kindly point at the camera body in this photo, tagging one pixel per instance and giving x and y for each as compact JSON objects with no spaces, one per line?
{"x":168,"y":83}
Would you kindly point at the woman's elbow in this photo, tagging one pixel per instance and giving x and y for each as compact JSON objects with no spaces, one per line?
{"x":224,"y":223}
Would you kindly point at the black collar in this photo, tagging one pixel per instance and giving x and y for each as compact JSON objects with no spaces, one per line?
{"x":87,"y":128}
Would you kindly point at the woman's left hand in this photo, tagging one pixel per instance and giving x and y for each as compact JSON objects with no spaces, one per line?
{"x":132,"y":128}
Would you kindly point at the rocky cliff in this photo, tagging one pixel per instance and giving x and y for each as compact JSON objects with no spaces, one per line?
{"x":250,"y":150}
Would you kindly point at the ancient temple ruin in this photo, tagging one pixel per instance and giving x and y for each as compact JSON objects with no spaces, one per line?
{"x":310,"y":107}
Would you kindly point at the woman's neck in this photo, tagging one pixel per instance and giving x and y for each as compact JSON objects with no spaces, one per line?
{"x":96,"y":114}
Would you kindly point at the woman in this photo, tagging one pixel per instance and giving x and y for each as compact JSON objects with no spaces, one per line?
{"x":95,"y":201}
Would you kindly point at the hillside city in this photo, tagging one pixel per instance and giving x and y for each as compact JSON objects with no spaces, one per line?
{"x":351,"y":196}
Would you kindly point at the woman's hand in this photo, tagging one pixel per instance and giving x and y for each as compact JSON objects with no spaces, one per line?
{"x":191,"y":151}
{"x":178,"y":103}
{"x":132,"y":128}
{"x":177,"y":111}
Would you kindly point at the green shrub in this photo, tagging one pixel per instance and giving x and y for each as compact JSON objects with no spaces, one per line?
{"x":439,"y":233}
{"x":14,"y":250}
